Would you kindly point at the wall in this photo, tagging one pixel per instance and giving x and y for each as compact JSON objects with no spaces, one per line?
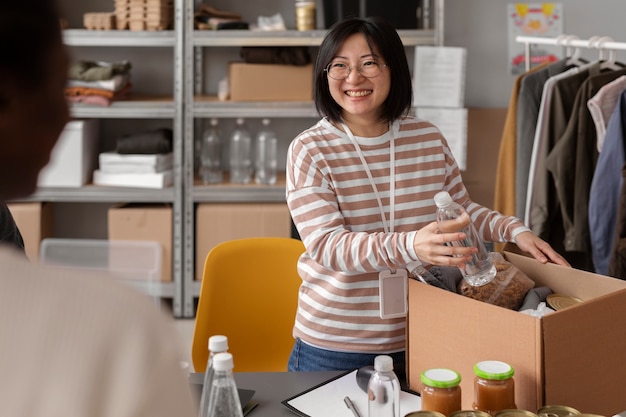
{"x":481,"y":27}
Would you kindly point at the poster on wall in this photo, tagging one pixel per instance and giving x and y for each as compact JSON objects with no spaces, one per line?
{"x":533,"y":19}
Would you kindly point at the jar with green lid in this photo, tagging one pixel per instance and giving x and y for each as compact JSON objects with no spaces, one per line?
{"x":494,"y":387}
{"x":441,"y":390}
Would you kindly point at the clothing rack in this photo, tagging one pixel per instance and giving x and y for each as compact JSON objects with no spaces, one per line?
{"x":602,"y":43}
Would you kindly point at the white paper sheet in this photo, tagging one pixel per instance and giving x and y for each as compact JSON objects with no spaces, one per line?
{"x":439,"y":76}
{"x":327,"y":400}
{"x":453,"y":125}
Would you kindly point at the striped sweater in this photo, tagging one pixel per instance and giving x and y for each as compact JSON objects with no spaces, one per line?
{"x":335,"y":210}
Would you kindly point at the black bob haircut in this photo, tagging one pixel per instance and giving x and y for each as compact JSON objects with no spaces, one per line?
{"x":382,"y":37}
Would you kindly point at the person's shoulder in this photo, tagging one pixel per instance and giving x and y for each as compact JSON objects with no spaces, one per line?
{"x":417,"y":125}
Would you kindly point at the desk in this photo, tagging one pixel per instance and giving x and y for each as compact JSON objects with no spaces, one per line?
{"x":273,"y":387}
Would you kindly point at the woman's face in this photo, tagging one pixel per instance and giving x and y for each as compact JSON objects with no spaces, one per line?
{"x":358,"y":96}
{"x":30,"y":124}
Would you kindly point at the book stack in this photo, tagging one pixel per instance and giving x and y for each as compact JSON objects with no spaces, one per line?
{"x":134,"y":170}
{"x":144,"y":14}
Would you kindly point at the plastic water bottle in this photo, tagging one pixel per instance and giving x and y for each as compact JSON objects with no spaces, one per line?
{"x":452,"y":217}
{"x":211,"y":155}
{"x":266,"y":158}
{"x":383,"y":389}
{"x":224,"y":398}
{"x":240,"y":154}
{"x":217,"y":344}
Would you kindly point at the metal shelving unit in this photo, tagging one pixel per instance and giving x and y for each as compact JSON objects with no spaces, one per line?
{"x":198,"y":106}
{"x":138,"y":108}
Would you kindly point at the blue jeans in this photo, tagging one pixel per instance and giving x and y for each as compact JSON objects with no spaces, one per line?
{"x":305,"y":357}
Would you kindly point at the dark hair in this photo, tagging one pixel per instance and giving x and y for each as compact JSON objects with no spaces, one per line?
{"x":381,"y":35}
{"x":28,"y":32}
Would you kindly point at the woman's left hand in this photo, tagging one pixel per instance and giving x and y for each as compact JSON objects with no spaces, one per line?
{"x":539,"y":249}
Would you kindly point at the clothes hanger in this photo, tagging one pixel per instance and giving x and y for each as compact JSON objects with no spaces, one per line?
{"x":609,"y":63}
{"x":574,"y":57}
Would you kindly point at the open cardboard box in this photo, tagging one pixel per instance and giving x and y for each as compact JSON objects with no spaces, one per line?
{"x":574,"y":357}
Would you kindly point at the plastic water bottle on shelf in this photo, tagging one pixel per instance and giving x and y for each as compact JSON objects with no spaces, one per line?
{"x":240,"y":154}
{"x":211,"y":155}
{"x":224,"y":398}
{"x":217,"y":344}
{"x":452,"y":217}
{"x":266,"y":158}
{"x":383,"y":389}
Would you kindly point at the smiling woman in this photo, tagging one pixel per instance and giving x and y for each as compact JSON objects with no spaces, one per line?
{"x":360,"y":188}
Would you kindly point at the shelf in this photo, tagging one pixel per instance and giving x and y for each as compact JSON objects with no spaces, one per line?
{"x":210,"y":106}
{"x":124,"y":38}
{"x":240,"y":193}
{"x":154,"y":289}
{"x":132,"y":108}
{"x":239,"y":38}
{"x":101,"y":194}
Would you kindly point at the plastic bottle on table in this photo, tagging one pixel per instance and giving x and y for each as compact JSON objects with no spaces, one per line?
{"x":452,"y":217}
{"x":240,"y":154}
{"x":266,"y":158}
{"x":211,"y":155}
{"x":217,"y":344}
{"x":224,"y":398}
{"x":383,"y":389}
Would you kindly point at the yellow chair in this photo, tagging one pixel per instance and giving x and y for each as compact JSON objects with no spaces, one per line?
{"x":249,"y":293}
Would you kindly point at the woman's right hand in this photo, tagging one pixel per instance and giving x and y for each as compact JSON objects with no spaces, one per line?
{"x":430,"y":246}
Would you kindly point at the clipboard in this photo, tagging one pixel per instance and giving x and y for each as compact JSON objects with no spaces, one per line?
{"x":326,"y":399}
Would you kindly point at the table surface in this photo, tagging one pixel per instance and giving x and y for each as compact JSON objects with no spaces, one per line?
{"x":273,"y":387}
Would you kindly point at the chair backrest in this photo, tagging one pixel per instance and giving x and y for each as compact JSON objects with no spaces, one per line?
{"x":249,"y":293}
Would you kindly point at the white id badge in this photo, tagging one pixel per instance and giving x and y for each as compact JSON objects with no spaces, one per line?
{"x":393,"y":293}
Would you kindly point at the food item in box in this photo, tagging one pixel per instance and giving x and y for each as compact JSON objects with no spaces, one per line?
{"x":507,"y":289}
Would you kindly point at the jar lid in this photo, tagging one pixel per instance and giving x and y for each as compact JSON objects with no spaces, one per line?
{"x":441,"y":378}
{"x":493,"y":370}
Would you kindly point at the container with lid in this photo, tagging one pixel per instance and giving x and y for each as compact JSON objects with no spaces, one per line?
{"x":557,"y":411}
{"x":494,"y":387}
{"x":469,"y":413}
{"x":441,"y":390}
{"x":515,"y":413}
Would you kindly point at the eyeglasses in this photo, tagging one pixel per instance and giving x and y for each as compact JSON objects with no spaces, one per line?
{"x":340,"y":71}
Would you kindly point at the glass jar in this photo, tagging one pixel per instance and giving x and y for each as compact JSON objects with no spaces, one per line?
{"x":494,"y":387}
{"x":441,"y":390}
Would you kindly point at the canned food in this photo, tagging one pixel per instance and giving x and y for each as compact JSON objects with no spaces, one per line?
{"x":515,"y":413}
{"x":470,"y":413}
{"x":557,"y":411}
{"x":589,"y":415}
{"x":424,"y":413}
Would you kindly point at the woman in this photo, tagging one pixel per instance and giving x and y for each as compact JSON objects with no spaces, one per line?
{"x":360,"y":188}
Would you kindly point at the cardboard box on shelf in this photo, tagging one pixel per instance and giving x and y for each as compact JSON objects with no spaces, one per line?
{"x":145,"y":222}
{"x":573,"y":357}
{"x":219,"y":222}
{"x":35,"y":223}
{"x":270,"y":82}
{"x":74,"y":156}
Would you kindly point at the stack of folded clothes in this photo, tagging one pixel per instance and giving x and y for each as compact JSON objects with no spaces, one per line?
{"x":98,"y":82}
{"x":143,"y":160}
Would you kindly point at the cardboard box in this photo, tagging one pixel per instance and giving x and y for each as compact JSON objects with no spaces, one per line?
{"x":35,"y":223}
{"x":574,"y":357}
{"x":145,"y":222}
{"x":219,"y":222}
{"x":270,"y":82}
{"x":74,"y":156}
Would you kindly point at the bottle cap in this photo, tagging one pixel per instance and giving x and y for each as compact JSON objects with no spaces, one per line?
{"x":496,"y":370}
{"x":218,"y":343}
{"x":383,"y":363}
{"x":223,"y":361}
{"x":440,"y":378}
{"x":442,"y":199}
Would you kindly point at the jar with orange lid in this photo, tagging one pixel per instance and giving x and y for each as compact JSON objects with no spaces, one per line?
{"x":494,"y":387}
{"x":441,"y":390}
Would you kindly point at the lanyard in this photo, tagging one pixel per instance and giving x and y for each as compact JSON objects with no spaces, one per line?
{"x":392,"y":179}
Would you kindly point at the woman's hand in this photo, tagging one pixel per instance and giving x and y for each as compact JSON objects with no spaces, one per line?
{"x":430,"y":246}
{"x":539,"y":249}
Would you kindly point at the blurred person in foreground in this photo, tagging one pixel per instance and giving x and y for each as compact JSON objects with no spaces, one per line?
{"x":360,"y":188}
{"x":71,"y":345}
